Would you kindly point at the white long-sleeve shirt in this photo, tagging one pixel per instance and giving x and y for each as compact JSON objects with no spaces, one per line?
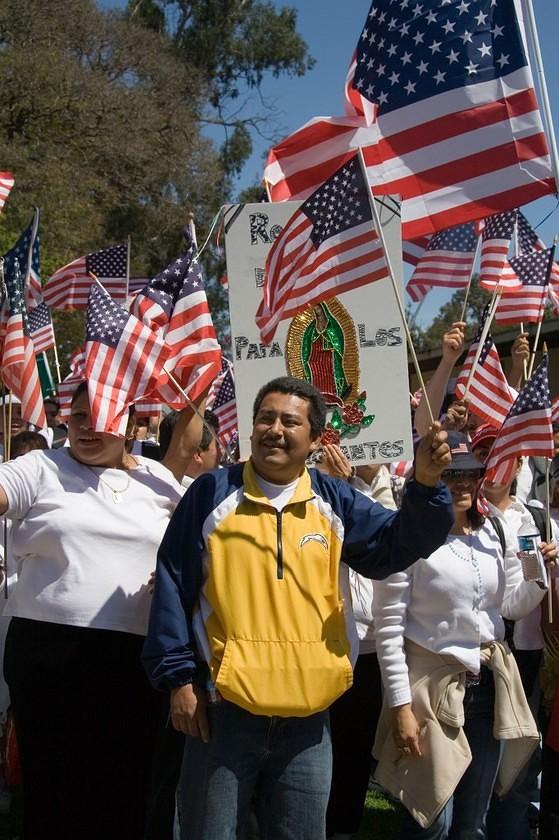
{"x":451,"y":602}
{"x":527,"y":631}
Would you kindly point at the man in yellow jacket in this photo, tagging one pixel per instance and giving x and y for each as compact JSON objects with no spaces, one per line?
{"x":251,"y":628}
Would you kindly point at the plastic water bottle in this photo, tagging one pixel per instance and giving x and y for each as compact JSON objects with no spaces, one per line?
{"x":529,"y":538}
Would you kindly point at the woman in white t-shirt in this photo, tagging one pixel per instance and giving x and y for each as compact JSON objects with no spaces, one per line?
{"x":86,"y":524}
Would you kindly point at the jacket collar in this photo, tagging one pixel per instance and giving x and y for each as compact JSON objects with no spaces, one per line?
{"x":252,"y":490}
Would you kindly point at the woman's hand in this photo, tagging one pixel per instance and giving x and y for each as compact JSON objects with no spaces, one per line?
{"x":456,"y":416}
{"x":188,"y":711}
{"x":549,"y":553}
{"x":405,"y":730}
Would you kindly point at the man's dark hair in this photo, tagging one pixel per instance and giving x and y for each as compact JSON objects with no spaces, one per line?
{"x":80,"y":389}
{"x":166,"y":431}
{"x":302,"y":389}
{"x":211,"y":424}
{"x":25,"y":442}
{"x":53,"y":401}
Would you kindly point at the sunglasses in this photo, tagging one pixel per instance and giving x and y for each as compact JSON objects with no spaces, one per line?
{"x":462,"y":475}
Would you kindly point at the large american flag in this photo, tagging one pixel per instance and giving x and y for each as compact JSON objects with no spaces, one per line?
{"x":528,"y":303}
{"x":123,"y":361}
{"x":69,"y":286}
{"x":527,"y":429}
{"x":223,"y":402}
{"x":447,"y":261}
{"x":174,"y":303}
{"x":27,"y":252}
{"x":6,"y":184}
{"x":40,"y":328}
{"x":327,"y":247}
{"x":18,"y":363}
{"x":496,"y":235}
{"x":489,"y":394}
{"x":458,"y":133}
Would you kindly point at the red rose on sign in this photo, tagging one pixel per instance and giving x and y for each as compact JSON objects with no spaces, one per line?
{"x":330,"y":435}
{"x":352,"y":414}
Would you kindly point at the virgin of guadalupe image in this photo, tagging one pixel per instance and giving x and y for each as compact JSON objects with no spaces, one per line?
{"x":322,"y":348}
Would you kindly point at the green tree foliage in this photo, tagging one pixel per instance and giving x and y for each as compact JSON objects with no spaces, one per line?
{"x":103,"y":115}
{"x":232,"y":44}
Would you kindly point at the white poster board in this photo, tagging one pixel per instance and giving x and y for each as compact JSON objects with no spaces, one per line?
{"x":376,"y":360}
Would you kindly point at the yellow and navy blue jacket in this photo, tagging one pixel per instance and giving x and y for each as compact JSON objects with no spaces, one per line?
{"x":257,"y":593}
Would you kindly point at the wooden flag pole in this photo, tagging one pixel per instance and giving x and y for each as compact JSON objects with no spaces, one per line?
{"x":515,"y":241}
{"x":476,"y":255}
{"x":378,"y":226}
{"x":542,"y":309}
{"x":55,"y":351}
{"x":493,"y":303}
{"x":128,"y":265}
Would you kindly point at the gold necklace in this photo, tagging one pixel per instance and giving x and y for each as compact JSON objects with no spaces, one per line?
{"x":116,"y":492}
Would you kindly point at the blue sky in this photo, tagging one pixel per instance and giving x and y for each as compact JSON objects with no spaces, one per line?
{"x":331,"y":29}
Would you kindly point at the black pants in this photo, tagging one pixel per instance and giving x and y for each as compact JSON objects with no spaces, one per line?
{"x":85,"y":720}
{"x":353,"y":721}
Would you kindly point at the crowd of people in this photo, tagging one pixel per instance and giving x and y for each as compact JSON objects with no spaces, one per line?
{"x":205,"y":651}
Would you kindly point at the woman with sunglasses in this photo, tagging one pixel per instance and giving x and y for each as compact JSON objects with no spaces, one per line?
{"x":450,"y":684}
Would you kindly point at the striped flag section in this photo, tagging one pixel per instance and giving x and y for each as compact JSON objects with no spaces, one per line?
{"x":18,"y":362}
{"x":496,"y":235}
{"x":555,"y":411}
{"x":527,"y":429}
{"x":327,"y":247}
{"x":489,"y":394}
{"x":447,"y":261}
{"x":528,"y":304}
{"x":174,"y":304}
{"x":66,"y":388}
{"x":123,"y":361}
{"x":6,"y":184}
{"x":69,"y":286}
{"x":40,"y":328}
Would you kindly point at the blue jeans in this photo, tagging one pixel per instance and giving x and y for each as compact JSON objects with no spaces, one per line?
{"x":463,"y":817}
{"x":280,"y":766}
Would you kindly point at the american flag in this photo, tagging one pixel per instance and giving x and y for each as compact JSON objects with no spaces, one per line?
{"x":69,"y":286}
{"x":40,"y":328}
{"x":68,"y":385}
{"x":136,"y":284}
{"x":174,"y":303}
{"x":27,"y":252}
{"x":123,"y":361}
{"x":223,"y":403}
{"x":6,"y":184}
{"x":447,"y":261}
{"x":458,"y":133}
{"x":528,"y":303}
{"x":489,"y":394}
{"x":526,"y":431}
{"x":451,"y":80}
{"x":19,"y":366}
{"x":496,"y":235}
{"x":528,"y":240}
{"x":327,"y":247}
